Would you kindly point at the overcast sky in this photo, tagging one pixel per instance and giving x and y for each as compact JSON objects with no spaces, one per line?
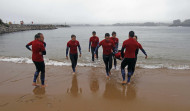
{"x":94,"y":11}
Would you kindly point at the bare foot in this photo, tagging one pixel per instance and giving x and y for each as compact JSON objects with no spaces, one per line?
{"x":128,"y":83}
{"x":123,"y":82}
{"x":108,"y":77}
{"x":34,"y":84}
{"x":74,"y":73}
{"x":109,"y":73}
{"x":43,"y":86}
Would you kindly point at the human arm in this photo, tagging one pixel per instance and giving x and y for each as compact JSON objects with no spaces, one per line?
{"x":79,"y":50}
{"x":67,"y":51}
{"x":122,"y":50}
{"x":42,"y":48}
{"x":144,"y":52}
{"x":28,"y":46}
{"x":89,"y":45}
{"x":44,"y":44}
{"x":96,"y":49}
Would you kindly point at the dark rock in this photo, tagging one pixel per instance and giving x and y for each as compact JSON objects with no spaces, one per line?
{"x":17,"y":28}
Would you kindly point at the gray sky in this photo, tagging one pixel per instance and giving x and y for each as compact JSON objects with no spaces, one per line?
{"x":94,"y":11}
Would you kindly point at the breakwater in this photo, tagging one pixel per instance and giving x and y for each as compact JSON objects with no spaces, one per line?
{"x":17,"y":28}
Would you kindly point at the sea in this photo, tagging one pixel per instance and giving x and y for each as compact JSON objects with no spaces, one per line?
{"x":167,"y":47}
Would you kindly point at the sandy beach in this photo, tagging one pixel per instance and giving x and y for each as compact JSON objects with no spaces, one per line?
{"x":89,"y":90}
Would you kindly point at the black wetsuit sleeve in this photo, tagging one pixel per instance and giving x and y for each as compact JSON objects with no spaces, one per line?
{"x":44,"y":44}
{"x":79,"y":49}
{"x":117,"y":45}
{"x":122,"y":52}
{"x":114,"y":50}
{"x":67,"y":51}
{"x":28,"y":47}
{"x":89,"y":44}
{"x":96,"y":48}
{"x":143,"y":51}
{"x":43,"y":52}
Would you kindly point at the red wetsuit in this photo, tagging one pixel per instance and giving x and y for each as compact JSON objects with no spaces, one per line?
{"x":115,"y":40}
{"x":118,"y":55}
{"x":37,"y":47}
{"x":73,"y":46}
{"x":130,"y":45}
{"x":94,"y":40}
{"x":108,"y":46}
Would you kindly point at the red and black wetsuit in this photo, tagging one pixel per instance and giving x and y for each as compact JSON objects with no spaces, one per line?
{"x":118,"y":55}
{"x":141,"y":48}
{"x":137,"y":51}
{"x":37,"y":58}
{"x":93,"y":42}
{"x":108,"y":47}
{"x":73,"y":52}
{"x":116,"y":42}
{"x":130,"y":46}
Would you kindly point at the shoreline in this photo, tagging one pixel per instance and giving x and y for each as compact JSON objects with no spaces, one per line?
{"x":150,"y":89}
{"x":18,"y":28}
{"x":52,"y":62}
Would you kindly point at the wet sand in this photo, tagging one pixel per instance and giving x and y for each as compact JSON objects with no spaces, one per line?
{"x":89,"y":90}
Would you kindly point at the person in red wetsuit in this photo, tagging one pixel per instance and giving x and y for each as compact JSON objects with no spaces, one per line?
{"x":108,"y":48}
{"x":116,"y":42}
{"x":38,"y":50}
{"x":130,"y":46}
{"x":118,"y":55}
{"x":93,"y":42}
{"x":137,"y":51}
{"x":73,"y":44}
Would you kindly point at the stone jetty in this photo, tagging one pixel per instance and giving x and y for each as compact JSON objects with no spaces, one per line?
{"x":17,"y":28}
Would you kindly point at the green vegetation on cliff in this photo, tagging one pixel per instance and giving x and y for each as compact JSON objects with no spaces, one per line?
{"x":3,"y":24}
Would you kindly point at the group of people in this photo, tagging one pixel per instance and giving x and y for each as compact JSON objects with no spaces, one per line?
{"x":128,"y":53}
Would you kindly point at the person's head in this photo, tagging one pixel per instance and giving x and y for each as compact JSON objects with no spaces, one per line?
{"x":135,"y":37}
{"x":36,"y":37}
{"x":107,"y":36}
{"x":39,"y":36}
{"x":94,"y":33}
{"x":113,"y":34}
{"x":131,"y":34}
{"x":73,"y":37}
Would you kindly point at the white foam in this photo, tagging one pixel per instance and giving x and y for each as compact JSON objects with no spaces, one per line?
{"x":92,"y":64}
{"x":16,"y":60}
{"x":158,"y":66}
{"x":179,"y":67}
{"x":47,"y":61}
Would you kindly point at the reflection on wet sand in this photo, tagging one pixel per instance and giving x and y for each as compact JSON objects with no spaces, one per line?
{"x":116,"y":91}
{"x":74,"y":90}
{"x":38,"y":81}
{"x":129,"y":92}
{"x":94,"y":83}
{"x":39,"y":90}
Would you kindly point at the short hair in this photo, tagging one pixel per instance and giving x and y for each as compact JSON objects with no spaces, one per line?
{"x":37,"y":35}
{"x":73,"y":36}
{"x":113,"y":32}
{"x":131,"y":33}
{"x":107,"y":35}
{"x":94,"y":32}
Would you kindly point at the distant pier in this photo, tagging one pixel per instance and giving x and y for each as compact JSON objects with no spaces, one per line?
{"x":17,"y":28}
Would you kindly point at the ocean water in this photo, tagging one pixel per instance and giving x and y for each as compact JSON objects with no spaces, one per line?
{"x":167,"y":47}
